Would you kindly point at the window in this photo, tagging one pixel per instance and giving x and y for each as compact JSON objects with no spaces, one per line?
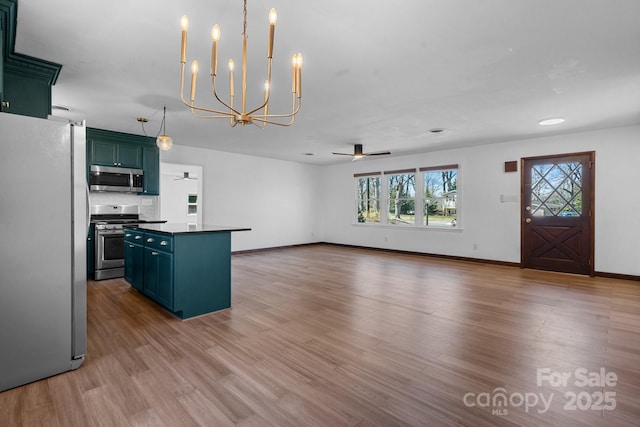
{"x":556,"y":189}
{"x":192,"y":204}
{"x":440,"y":196}
{"x":427,"y":197}
{"x":368,"y":198}
{"x":401,"y":206}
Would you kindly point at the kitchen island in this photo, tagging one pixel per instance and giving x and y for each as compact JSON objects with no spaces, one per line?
{"x":186,"y":268}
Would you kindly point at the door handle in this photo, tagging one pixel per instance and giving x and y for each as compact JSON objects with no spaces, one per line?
{"x":527,"y":220}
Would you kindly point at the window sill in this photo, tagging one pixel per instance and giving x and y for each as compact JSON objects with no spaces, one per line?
{"x":408,"y":227}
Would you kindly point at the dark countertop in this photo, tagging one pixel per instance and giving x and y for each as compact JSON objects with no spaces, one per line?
{"x":183,"y":228}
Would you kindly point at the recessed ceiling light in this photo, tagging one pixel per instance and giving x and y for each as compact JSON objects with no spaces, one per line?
{"x":309,"y":154}
{"x":551,"y":121}
{"x":60,"y":107}
{"x":436,"y":130}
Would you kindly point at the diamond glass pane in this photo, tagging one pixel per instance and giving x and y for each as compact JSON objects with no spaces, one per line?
{"x":556,"y":189}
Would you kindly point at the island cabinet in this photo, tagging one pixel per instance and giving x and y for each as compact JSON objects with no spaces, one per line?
{"x":133,"y":254}
{"x":186,"y":269}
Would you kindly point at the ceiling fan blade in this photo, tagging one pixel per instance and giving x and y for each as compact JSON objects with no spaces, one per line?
{"x":358,"y":153}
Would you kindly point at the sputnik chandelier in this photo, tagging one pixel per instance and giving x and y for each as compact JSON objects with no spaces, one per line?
{"x":236,"y":115}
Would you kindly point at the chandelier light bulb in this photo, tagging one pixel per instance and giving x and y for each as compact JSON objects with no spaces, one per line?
{"x":273,"y":16}
{"x":184,"y":24}
{"x":231,"y":65}
{"x":194,"y":75}
{"x":215,"y":33}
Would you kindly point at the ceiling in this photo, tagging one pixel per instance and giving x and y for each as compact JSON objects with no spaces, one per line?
{"x":382,"y":74}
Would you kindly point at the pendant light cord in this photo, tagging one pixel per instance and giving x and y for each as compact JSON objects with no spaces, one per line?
{"x":163,"y":125}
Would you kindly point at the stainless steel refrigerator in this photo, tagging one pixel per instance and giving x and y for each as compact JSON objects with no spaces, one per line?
{"x":43,"y":229}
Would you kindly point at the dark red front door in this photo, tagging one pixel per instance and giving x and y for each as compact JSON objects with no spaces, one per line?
{"x":557,"y":213}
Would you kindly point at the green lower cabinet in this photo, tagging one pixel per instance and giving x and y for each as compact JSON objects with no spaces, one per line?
{"x":158,"y":276}
{"x":202,"y":273}
{"x":133,"y":254}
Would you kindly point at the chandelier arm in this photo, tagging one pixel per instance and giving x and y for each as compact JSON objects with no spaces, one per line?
{"x":271,"y":122}
{"x":223,"y":114}
{"x":209,"y":116}
{"x":182,"y":84}
{"x":268,"y":89}
{"x":208,"y":110}
{"x":259,"y":108}
{"x":215,"y":93}
{"x":292,"y":114}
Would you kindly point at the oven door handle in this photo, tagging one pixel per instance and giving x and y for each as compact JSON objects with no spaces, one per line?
{"x":110,"y":232}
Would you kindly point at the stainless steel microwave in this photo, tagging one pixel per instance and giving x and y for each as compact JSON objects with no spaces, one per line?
{"x":109,"y":178}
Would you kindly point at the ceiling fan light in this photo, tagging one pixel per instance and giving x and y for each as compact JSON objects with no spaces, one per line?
{"x":164,"y":142}
{"x":551,"y":121}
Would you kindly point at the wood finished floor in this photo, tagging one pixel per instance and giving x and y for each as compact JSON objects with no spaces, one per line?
{"x":326,"y":335}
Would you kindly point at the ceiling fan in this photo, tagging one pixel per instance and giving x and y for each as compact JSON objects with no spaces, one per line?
{"x":185,"y":177}
{"x":358,"y":154}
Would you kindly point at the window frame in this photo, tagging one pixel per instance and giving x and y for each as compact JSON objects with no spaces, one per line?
{"x":443,"y":168}
{"x":419,"y":178}
{"x":358,"y":201}
{"x":387,"y":195}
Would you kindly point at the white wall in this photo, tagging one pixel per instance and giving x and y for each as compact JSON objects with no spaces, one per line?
{"x":278,"y":200}
{"x":486,"y":222}
{"x":288,"y":203}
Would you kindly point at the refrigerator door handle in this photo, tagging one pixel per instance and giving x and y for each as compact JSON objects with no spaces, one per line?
{"x":88,"y":210}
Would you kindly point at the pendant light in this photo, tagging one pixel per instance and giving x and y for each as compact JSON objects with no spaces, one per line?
{"x":164,"y":141}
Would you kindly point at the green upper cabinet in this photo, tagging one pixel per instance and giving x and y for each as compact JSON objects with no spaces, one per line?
{"x":151,"y":166}
{"x":27,"y":91}
{"x":109,"y":148}
{"x":113,"y":153}
{"x":25,"y":81}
